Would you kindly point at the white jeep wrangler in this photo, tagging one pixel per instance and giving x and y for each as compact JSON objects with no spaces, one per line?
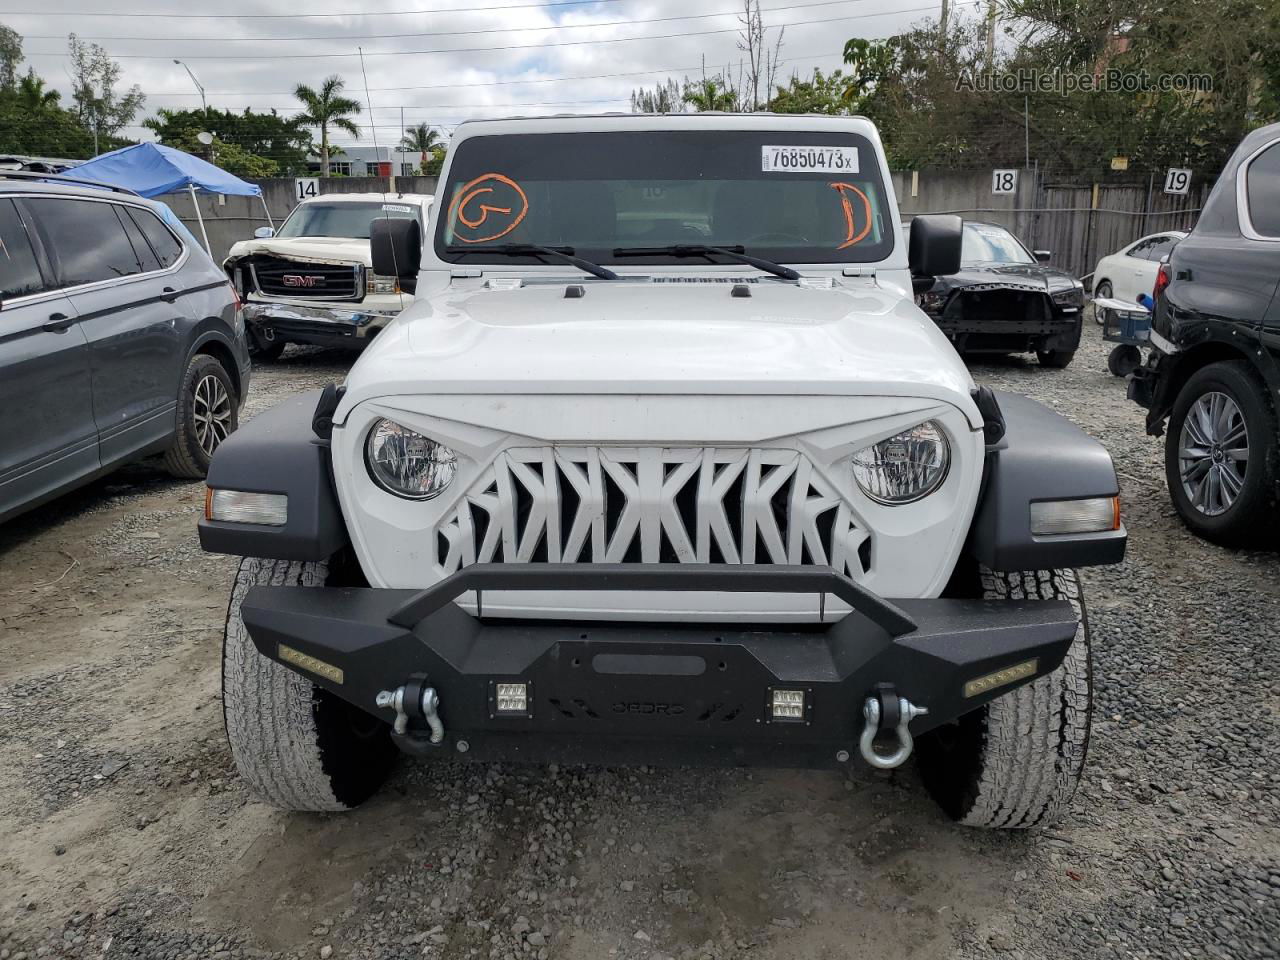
{"x":663,"y":465}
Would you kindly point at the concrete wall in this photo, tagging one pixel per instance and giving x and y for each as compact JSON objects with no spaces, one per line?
{"x":229,"y":219}
{"x":1078,"y":222}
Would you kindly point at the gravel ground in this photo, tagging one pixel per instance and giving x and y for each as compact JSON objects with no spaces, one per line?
{"x":126,"y":832}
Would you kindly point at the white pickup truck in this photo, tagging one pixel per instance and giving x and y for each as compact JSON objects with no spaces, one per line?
{"x":311,"y":281}
{"x":664,"y":465}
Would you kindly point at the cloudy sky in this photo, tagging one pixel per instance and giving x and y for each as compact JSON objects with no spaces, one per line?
{"x":440,"y":60}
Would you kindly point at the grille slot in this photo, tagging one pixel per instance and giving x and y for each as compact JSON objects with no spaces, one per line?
{"x":277,"y":277}
{"x":652,"y":505}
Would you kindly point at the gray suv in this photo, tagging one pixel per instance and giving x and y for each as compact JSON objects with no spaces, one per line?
{"x":119,"y":339}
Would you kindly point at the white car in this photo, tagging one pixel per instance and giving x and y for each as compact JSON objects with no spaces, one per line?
{"x":311,"y":281}
{"x":664,"y":465}
{"x":1132,"y":271}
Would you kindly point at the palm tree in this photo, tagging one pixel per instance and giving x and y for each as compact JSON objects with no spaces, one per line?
{"x":327,"y":108}
{"x":709,"y":94}
{"x":33,"y":96}
{"x":422,"y":139}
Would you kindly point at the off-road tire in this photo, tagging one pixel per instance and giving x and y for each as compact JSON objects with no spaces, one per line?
{"x":186,"y":457}
{"x":299,"y":747}
{"x":1254,"y":518}
{"x":1055,"y":359}
{"x":1015,"y":763}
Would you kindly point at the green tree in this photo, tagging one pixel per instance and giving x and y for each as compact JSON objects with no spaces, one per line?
{"x":711,"y":93}
{"x":283,"y":142}
{"x":100,"y":106}
{"x":327,"y":108}
{"x":821,"y":93}
{"x":424,"y":140}
{"x":10,"y":57}
{"x":665,"y":97}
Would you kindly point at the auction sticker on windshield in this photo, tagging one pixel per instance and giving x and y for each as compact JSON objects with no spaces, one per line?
{"x":808,"y":159}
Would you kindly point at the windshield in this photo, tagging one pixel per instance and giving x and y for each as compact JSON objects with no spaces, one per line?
{"x":341,"y":219}
{"x":799,"y":197}
{"x":984,"y":243}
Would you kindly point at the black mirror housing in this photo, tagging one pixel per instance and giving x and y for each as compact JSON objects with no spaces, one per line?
{"x":396,"y":248}
{"x":933,"y":248}
{"x":1042,"y":256}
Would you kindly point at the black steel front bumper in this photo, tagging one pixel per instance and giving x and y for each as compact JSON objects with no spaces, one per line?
{"x":653,"y":692}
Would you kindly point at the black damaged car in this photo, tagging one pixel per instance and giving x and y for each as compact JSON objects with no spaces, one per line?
{"x":1006,"y":299}
{"x":1213,"y":373}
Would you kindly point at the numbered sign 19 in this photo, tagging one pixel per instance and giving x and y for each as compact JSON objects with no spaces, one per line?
{"x":1177,"y":180}
{"x":305,"y":188}
{"x":1004,"y":181}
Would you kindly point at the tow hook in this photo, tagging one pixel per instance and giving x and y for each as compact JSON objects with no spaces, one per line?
{"x":416,"y":700}
{"x":895,"y":714}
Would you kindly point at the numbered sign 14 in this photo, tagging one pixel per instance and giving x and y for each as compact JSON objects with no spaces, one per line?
{"x":1004,"y":181}
{"x":1177,"y":180}
{"x":305,"y":188}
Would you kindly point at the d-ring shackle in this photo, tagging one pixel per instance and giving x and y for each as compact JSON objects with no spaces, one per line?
{"x":907,"y":711}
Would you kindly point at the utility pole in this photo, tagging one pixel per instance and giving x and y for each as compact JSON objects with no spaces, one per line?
{"x":991,"y":33}
{"x":942,"y":19}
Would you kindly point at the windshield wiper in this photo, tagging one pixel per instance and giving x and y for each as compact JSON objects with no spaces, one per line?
{"x":738,"y":253}
{"x":563,"y":254}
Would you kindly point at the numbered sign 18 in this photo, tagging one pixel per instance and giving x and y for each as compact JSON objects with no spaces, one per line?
{"x":306,"y":188}
{"x":1004,"y":181}
{"x":1177,"y":180}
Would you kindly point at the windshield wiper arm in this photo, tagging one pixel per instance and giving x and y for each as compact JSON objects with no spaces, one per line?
{"x":563,"y":254}
{"x":738,"y":253}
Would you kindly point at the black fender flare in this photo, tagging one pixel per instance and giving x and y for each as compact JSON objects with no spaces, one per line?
{"x":277,"y":452}
{"x":1042,"y":456}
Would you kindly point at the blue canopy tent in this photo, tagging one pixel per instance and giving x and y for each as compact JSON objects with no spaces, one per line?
{"x":151,"y":169}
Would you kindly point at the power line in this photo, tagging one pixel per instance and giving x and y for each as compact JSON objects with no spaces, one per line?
{"x":514,"y":46}
{"x":453,"y":33}
{"x":294,"y":16}
{"x":486,"y":83}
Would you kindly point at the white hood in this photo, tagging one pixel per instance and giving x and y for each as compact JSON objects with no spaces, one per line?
{"x":311,"y":249}
{"x":682,"y":338}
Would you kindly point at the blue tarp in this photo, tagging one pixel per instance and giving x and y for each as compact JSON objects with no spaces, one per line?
{"x":151,"y":169}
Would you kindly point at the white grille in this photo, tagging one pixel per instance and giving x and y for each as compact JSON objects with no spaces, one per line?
{"x":652,"y":505}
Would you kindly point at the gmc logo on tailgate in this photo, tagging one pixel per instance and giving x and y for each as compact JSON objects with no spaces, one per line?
{"x":301,"y":280}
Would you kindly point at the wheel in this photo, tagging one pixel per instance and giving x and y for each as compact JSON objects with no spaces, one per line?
{"x":298,"y":746}
{"x":265,"y":351}
{"x":207,"y":415}
{"x":1015,"y":763}
{"x":1101,"y":292}
{"x":1124,"y":359}
{"x":1055,"y":359}
{"x":1220,"y":456}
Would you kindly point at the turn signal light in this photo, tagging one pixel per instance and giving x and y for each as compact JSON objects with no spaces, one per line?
{"x":241,"y":506}
{"x":1092,"y":515}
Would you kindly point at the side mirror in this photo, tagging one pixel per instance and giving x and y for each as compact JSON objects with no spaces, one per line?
{"x":933,"y":249}
{"x":1042,"y":256}
{"x":264,"y":233}
{"x":396,"y":248}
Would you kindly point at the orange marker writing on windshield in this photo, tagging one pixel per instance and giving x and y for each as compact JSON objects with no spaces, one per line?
{"x":850,"y":237}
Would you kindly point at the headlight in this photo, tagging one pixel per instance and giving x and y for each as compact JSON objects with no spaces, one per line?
{"x":407,"y":463}
{"x":905,"y":467}
{"x":1073,"y":296}
{"x":379,"y":284}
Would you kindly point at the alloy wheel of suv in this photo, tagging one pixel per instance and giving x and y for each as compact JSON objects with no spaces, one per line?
{"x":1213,"y":453}
{"x":211,"y":413}
{"x":208,"y":410}
{"x":1220,"y":453}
